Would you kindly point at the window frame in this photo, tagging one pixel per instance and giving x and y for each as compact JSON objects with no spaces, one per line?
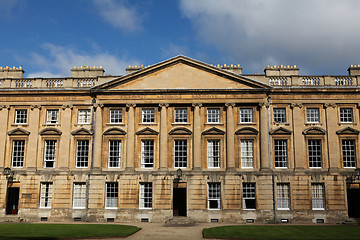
{"x":114,"y":118}
{"x":150,"y":156}
{"x":211,"y":158}
{"x":21,"y":157}
{"x":241,"y":114}
{"x":276,"y":156}
{"x":318,"y":196}
{"x":242,"y":160}
{"x":213,"y":115}
{"x":49,"y":116}
{"x":21,"y":119}
{"x":249,"y":189}
{"x":84,"y":119}
{"x":182,"y":154}
{"x":279,"y":116}
{"x":46,"y":197}
{"x":79,"y":195}
{"x":311,"y":114}
{"x":114,"y":154}
{"x":111,"y":195}
{"x":283,"y":202}
{"x":87,"y":155}
{"x":342,"y":117}
{"x":313,"y":157}
{"x":216,"y":191}
{"x":181,"y":115}
{"x":148,"y":113}
{"x":143,"y":199}
{"x":52,"y":155}
{"x":354,"y":155}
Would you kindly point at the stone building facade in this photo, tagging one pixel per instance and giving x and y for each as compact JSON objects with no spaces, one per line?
{"x":180,"y":138}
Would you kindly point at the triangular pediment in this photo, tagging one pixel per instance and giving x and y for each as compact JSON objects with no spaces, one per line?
{"x":347,"y":131}
{"x":114,"y":131}
{"x":50,"y":131}
{"x":314,"y":131}
{"x":18,"y":131}
{"x":180,"y":131}
{"x":181,"y":73}
{"x":213,"y":131}
{"x":81,"y":131}
{"x":147,"y":131}
{"x":247,"y":131}
{"x":280,"y":131}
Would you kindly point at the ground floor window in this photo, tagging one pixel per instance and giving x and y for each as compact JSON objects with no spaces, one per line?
{"x":214,"y":196}
{"x":249,"y":196}
{"x":283,"y":196}
{"x":46,"y":195}
{"x":79,"y":196}
{"x":318,"y":198}
{"x":111,"y":196}
{"x":145,"y":196}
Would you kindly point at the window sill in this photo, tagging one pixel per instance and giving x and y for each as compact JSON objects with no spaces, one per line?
{"x":318,"y":209}
{"x":148,"y":124}
{"x":81,"y":124}
{"x":219,"y":123}
{"x":283,"y":209}
{"x":285,"y":123}
{"x":19,"y":124}
{"x":115,"y":124}
{"x":313,"y":124}
{"x":79,"y":208}
{"x":51,"y":125}
{"x":180,"y":123}
{"x":247,"y":123}
{"x":111,"y":208}
{"x":346,"y":123}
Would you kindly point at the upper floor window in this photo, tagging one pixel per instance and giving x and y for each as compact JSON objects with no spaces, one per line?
{"x":318,"y":196}
{"x":348,"y":153}
{"x":283,"y":196}
{"x":79,"y":196}
{"x":281,"y":154}
{"x":346,"y":115}
{"x":21,"y":116}
{"x":315,"y":156}
{"x":213,"y":153}
{"x":148,"y":115}
{"x":180,"y":115}
{"x":214,"y":195}
{"x":114,"y":153}
{"x":52,"y":116}
{"x":213,"y":115}
{"x":249,"y":196}
{"x":180,"y":153}
{"x":46,"y":195}
{"x":147,"y":153}
{"x":111,"y":195}
{"x":18,"y":153}
{"x":145,"y":196}
{"x":247,"y":153}
{"x":279,"y":115}
{"x":115,"y":116}
{"x":312,"y":115}
{"x":246,"y":115}
{"x":49,"y":153}
{"x":82,"y":153}
{"x":84,"y":116}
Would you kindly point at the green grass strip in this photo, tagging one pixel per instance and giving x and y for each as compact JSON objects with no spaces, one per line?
{"x":19,"y":231}
{"x":288,"y":232}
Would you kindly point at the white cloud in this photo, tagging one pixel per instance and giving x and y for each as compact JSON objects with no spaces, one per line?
{"x":59,"y":60}
{"x":119,"y":15}
{"x":173,"y":50}
{"x":320,"y":34}
{"x":7,"y":7}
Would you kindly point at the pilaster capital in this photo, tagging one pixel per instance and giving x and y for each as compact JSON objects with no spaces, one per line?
{"x":328,"y":105}
{"x":129,"y":105}
{"x":4,"y":107}
{"x":266,"y":104}
{"x":197,"y":105}
{"x":32,"y":107}
{"x":100,"y":105}
{"x":294,"y":105}
{"x":166,"y":105}
{"x":227,"y":105}
{"x":67,"y":106}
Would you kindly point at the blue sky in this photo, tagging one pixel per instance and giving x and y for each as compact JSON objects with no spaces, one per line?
{"x":49,"y":37}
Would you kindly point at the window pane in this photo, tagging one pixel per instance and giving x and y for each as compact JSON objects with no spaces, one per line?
{"x":180,"y":153}
{"x":49,"y":153}
{"x":214,"y":195}
{"x":346,"y":115}
{"x":84,"y":116}
{"x":115,"y":116}
{"x":315,"y":156}
{"x":111,"y":196}
{"x":79,"y":196}
{"x":349,"y":153}
{"x":52,"y":116}
{"x":46,"y":195}
{"x":21,"y":116}
{"x":312,"y":115}
{"x":147,"y":153}
{"x":281,"y":156}
{"x":279,"y":115}
{"x":213,"y":147}
{"x":145,"y":196}
{"x":246,"y":115}
{"x":82,"y":153}
{"x":114,"y":153}
{"x":318,"y":199}
{"x":249,"y":196}
{"x":247,"y":153}
{"x":180,"y":115}
{"x":283,"y":196}
{"x":18,"y":153}
{"x":213,"y":115}
{"x":148,"y":115}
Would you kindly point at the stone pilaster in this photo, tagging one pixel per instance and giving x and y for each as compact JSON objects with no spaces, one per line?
{"x":299,"y":144}
{"x":163,"y":136}
{"x":130,"y":137}
{"x":197,"y":136}
{"x":230,"y":135}
{"x":64,"y":157}
{"x":264,"y":136}
{"x":4,"y":118}
{"x":333,"y":143}
{"x":98,"y":131}
{"x":33,"y":140}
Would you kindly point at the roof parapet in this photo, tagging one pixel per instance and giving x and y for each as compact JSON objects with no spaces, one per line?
{"x":131,"y":69}
{"x":235,"y":68}
{"x":86,"y":71}
{"x":11,"y":72}
{"x":354,"y":70}
{"x":282,"y":70}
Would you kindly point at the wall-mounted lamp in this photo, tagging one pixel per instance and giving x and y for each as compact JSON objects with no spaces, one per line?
{"x":355,"y":176}
{"x":9,"y":174}
{"x":179,"y":173}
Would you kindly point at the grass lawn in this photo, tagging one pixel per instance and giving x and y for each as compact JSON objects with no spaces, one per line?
{"x":284,"y":232}
{"x":12,"y":231}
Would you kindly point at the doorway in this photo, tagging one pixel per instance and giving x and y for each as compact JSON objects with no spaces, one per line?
{"x":353,"y":196}
{"x":12,"y":201}
{"x":179,"y":199}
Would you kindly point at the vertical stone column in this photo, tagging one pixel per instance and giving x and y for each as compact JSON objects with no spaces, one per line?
{"x":333,"y":139}
{"x":197,"y":136}
{"x":230,"y":135}
{"x":299,"y":144}
{"x":4,"y":115}
{"x":98,"y":131}
{"x":264,"y":136}
{"x":130,"y":137}
{"x":64,"y":158}
{"x":33,"y":140}
{"x":163,"y":136}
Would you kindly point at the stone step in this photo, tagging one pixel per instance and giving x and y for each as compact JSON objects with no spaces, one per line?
{"x":352,"y":221}
{"x":180,"y":221}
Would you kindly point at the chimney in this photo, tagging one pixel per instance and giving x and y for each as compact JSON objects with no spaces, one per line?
{"x":131,"y":69}
{"x":83,"y":72}
{"x":354,"y":70}
{"x":14,"y":72}
{"x":232,"y":68}
{"x":281,"y":71}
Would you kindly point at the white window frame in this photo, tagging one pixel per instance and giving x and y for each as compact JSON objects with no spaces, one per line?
{"x":312,"y":115}
{"x":49,"y":153}
{"x":147,"y":153}
{"x":213,"y":153}
{"x":79,"y":196}
{"x":180,"y":153}
{"x":279,"y":115}
{"x":283,"y":196}
{"x":281,"y":153}
{"x":52,"y":116}
{"x":180,"y":115}
{"x":114,"y":159}
{"x":115,"y":116}
{"x":246,"y":115}
{"x":145,"y":195}
{"x":21,"y":116}
{"x":348,"y":147}
{"x":18,"y":154}
{"x":84,"y":116}
{"x":247,"y":153}
{"x":82,"y":153}
{"x":346,"y":115}
{"x":318,"y":196}
{"x":249,"y":194}
{"x":46,"y":191}
{"x":111,"y":195}
{"x":314,"y":153}
{"x":148,"y":115}
{"x":213,"y":115}
{"x":214,"y":196}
